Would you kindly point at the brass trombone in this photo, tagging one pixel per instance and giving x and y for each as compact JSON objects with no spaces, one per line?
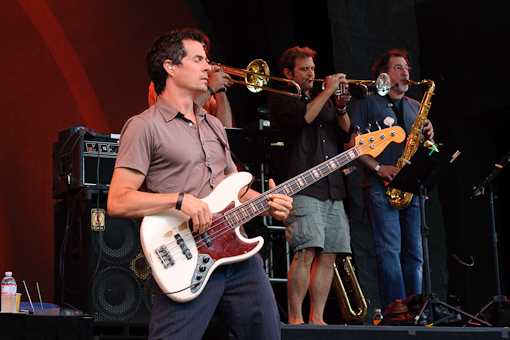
{"x":352,"y":302}
{"x":361,"y":87}
{"x":256,"y":77}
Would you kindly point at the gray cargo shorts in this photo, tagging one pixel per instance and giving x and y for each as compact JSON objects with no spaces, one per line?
{"x":320,"y":224}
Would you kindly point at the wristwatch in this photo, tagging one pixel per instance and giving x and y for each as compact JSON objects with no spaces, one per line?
{"x":377,"y":167}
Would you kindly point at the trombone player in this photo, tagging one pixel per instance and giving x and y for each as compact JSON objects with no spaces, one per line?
{"x":214,"y":100}
{"x":317,"y":227}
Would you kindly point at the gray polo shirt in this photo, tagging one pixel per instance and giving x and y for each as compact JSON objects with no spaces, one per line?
{"x":172,"y":153}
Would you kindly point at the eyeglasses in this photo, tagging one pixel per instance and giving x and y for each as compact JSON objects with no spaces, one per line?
{"x":400,"y":68}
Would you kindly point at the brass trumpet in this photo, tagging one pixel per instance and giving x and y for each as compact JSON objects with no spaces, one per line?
{"x":360,"y":89}
{"x":256,"y":77}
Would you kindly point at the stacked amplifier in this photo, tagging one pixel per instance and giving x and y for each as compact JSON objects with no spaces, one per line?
{"x":98,"y":264}
{"x":83,"y":158}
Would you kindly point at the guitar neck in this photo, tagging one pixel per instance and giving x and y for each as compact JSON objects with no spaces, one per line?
{"x":254,"y":207}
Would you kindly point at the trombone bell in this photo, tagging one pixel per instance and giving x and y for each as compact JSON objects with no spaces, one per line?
{"x":257,"y":66}
{"x":257,"y":76}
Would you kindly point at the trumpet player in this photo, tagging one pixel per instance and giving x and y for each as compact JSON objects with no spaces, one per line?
{"x":317,"y":228}
{"x":396,"y":232}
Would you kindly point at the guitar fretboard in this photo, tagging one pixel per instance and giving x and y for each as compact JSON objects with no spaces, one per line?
{"x":254,"y":207}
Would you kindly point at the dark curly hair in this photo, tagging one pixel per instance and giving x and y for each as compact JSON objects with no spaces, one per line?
{"x":383,"y":63}
{"x":288,"y":59}
{"x":170,"y":46}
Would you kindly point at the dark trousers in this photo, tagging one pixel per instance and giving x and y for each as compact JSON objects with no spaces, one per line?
{"x":239,"y":293}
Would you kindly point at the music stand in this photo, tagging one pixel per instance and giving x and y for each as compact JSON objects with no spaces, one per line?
{"x":252,"y":146}
{"x":478,"y":190}
{"x":418,"y":177}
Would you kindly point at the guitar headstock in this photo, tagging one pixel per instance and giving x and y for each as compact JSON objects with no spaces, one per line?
{"x":374,"y":143}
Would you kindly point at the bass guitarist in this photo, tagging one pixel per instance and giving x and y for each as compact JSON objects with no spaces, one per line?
{"x":178,"y":155}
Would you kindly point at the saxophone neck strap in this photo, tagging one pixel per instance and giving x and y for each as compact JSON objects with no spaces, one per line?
{"x":399,"y":111}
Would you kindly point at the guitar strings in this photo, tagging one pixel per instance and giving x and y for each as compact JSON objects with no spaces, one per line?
{"x":223,"y":220}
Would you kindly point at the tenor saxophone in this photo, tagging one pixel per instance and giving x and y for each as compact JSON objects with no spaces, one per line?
{"x":398,"y":198}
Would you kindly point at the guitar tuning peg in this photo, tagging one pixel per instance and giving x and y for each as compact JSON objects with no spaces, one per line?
{"x":357,"y":130}
{"x":378,"y":126}
{"x":368,"y":126}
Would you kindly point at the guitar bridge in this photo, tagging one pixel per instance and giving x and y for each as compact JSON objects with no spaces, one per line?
{"x":165,"y":256}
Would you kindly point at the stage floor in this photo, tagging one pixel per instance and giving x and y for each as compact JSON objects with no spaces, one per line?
{"x":298,"y":332}
{"x":124,"y":331}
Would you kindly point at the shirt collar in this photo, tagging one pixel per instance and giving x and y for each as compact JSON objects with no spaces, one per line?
{"x":170,"y":112}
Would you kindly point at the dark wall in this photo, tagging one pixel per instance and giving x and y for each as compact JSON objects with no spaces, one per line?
{"x":72,"y":63}
{"x":460,"y":46}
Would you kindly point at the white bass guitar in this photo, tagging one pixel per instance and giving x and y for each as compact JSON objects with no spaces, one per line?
{"x":182,"y":261}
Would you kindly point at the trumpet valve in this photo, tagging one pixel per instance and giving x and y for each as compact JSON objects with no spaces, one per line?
{"x":341,"y":90}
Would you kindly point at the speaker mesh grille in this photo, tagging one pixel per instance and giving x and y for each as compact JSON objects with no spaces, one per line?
{"x":112,"y":258}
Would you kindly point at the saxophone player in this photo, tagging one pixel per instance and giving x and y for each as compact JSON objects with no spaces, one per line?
{"x":396,"y":232}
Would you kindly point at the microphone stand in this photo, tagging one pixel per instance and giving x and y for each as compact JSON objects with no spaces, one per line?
{"x":478,"y":190}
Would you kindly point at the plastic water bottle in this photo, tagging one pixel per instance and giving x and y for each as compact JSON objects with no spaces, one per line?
{"x":8,"y":293}
{"x":378,"y":316}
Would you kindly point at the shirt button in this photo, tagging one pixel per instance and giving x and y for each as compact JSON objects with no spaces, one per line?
{"x":324,"y":141}
{"x":190,"y":124}
{"x":327,"y":157}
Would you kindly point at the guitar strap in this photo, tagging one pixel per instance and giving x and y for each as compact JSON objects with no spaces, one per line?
{"x":233,"y":154}
{"x":226,"y":146}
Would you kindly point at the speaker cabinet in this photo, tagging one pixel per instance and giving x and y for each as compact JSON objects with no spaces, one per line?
{"x":99,"y":267}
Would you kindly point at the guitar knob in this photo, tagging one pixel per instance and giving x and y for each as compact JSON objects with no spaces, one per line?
{"x":201,"y":268}
{"x":357,"y":130}
{"x":378,"y":126}
{"x":199,"y":276}
{"x":205,"y":260}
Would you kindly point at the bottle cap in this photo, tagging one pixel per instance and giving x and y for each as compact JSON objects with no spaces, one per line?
{"x":8,"y":273}
{"x":378,"y":310}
